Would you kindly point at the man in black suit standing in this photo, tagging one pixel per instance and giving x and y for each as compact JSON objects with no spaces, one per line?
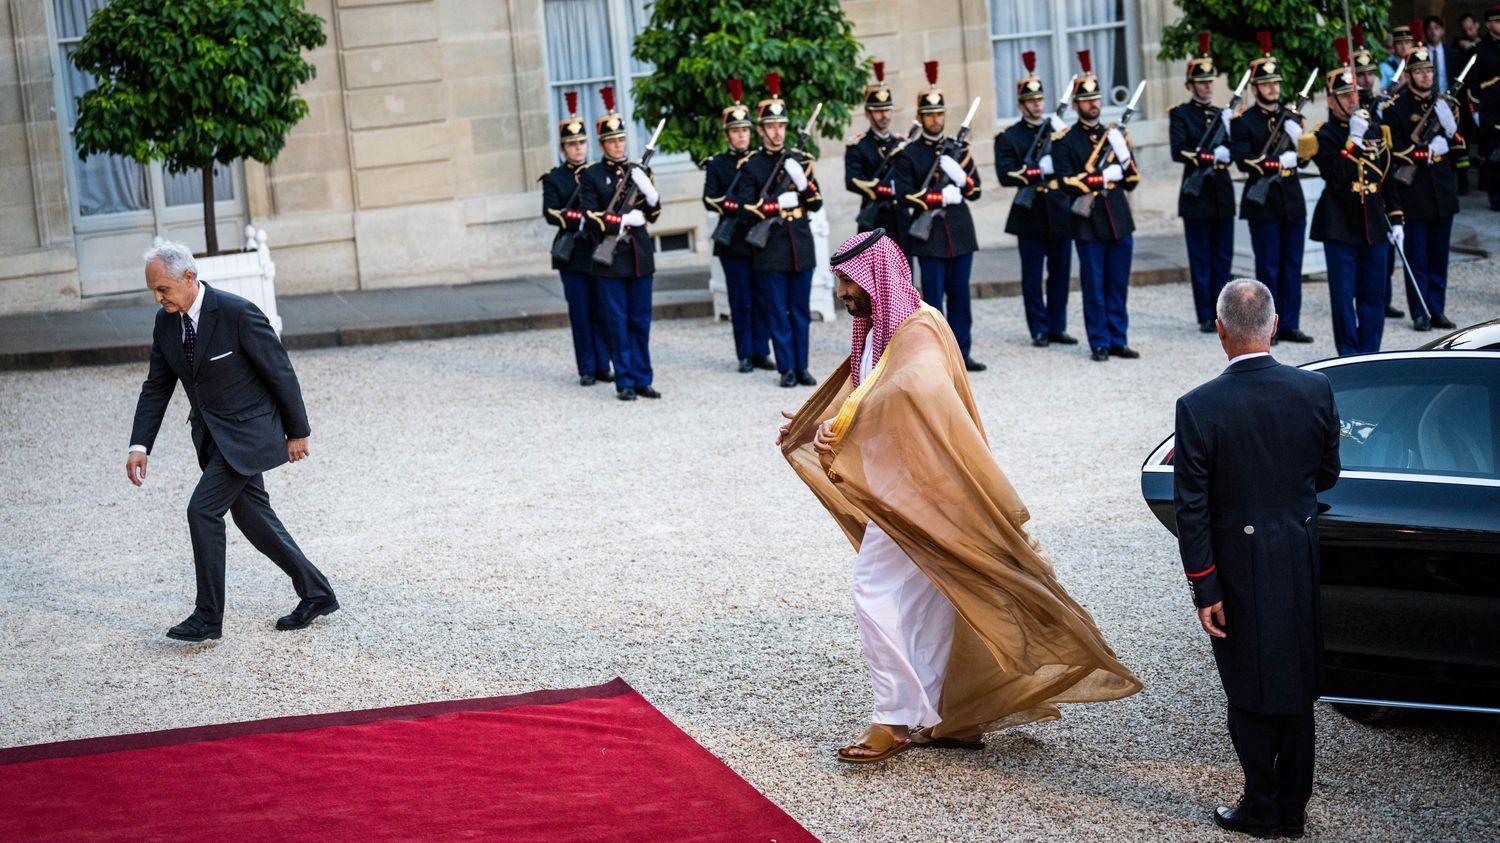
{"x":1254,"y":447}
{"x":247,"y":418}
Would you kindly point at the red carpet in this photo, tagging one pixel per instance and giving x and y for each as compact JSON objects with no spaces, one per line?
{"x":594,"y":763}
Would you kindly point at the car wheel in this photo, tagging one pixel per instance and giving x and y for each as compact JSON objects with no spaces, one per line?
{"x":1370,"y":715}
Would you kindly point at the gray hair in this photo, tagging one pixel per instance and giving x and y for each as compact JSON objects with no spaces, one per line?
{"x":1246,"y":310}
{"x":175,"y":258}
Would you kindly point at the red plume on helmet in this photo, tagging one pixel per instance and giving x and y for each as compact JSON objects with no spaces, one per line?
{"x":607,"y":93}
{"x":1204,"y":39}
{"x":1342,"y":45}
{"x":572,"y":98}
{"x":1028,"y":58}
{"x":736,"y":89}
{"x":931,"y":68}
{"x":1265,"y":42}
{"x":773,"y":83}
{"x":879,"y":71}
{"x":1085,"y":61}
{"x":1418,"y":34}
{"x":1359,"y":35}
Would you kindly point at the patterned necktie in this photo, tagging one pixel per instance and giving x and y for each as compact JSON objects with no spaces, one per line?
{"x":189,"y":337}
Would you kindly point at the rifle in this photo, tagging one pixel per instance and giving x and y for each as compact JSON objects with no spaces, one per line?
{"x":562,"y":247}
{"x":1193,"y":185}
{"x":1397,"y":83}
{"x":1083,"y":206}
{"x":624,"y":200}
{"x":724,"y":231}
{"x":761,"y":233}
{"x":921,"y":227}
{"x":866,"y":219}
{"x":1256,"y":193}
{"x":1427,"y":127}
{"x":1026,"y":196}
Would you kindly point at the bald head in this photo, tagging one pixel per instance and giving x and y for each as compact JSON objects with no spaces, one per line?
{"x":1247,"y":317}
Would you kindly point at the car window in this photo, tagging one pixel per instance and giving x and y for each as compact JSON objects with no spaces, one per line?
{"x":1426,"y":415}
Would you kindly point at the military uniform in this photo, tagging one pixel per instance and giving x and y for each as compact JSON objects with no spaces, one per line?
{"x":1278,"y":226}
{"x":625,"y":282}
{"x":864,"y":161}
{"x":784,"y":266}
{"x":748,"y":313}
{"x":1351,"y":220}
{"x":1483,"y":95}
{"x":561,"y":208}
{"x":1042,"y":231}
{"x":1208,"y":218}
{"x":1104,"y":238}
{"x":946,"y":257}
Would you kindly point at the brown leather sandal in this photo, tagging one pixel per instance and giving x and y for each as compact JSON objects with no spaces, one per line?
{"x":876,"y":740}
{"x":923,"y":739}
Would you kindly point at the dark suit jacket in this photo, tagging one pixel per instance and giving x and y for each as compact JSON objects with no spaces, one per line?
{"x":1254,"y":447}
{"x":241,"y":386}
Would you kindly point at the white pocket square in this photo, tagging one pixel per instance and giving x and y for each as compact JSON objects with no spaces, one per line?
{"x":220,"y":357}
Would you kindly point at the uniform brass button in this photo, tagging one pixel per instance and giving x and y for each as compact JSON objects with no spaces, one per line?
{"x":1249,"y":530}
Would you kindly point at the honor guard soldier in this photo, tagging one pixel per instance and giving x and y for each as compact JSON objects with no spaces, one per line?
{"x":1039,"y":215}
{"x":868,"y":166}
{"x":937,"y":176}
{"x":1263,"y":143}
{"x":777,"y":189}
{"x":722,"y":174}
{"x":1199,"y":136}
{"x":572,"y":255}
{"x":1096,"y":162}
{"x":1366,"y":71}
{"x":1430,"y":199}
{"x":625,"y":281}
{"x":1401,"y":47}
{"x":1484,"y":105}
{"x":1355,"y":218}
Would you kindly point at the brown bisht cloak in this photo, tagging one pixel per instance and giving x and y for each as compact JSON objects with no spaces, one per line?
{"x":912,"y":456}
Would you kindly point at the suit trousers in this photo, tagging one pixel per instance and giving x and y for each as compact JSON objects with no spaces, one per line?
{"x":586,"y":316}
{"x":627,"y":320}
{"x":945,"y":286}
{"x":1278,"y":246}
{"x":1427,"y":252}
{"x":1356,"y":291}
{"x":747,"y":309}
{"x":1276,"y":753}
{"x":789,"y":305}
{"x":221,"y":489}
{"x":1046,"y":313}
{"x":1104,"y":277}
{"x":1210,"y":248}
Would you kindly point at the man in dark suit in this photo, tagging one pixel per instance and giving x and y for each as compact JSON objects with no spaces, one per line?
{"x":1254,"y":447}
{"x":247,"y":418}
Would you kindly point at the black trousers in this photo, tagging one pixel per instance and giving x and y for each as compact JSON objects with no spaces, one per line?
{"x":1276,"y":753}
{"x":221,"y":489}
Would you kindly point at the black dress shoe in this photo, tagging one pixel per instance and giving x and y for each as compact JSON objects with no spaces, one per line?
{"x":1441,"y":321}
{"x":604,"y":377}
{"x":306,"y":611}
{"x":1421,"y":323}
{"x":196,"y":629}
{"x":788,"y":379}
{"x":626,"y":394}
{"x":746,"y":365}
{"x":1294,"y":830}
{"x":973,"y":365}
{"x":1124,"y":351}
{"x":587,"y":380}
{"x":1040,"y":341}
{"x":1100,"y":355}
{"x":1293,"y":336}
{"x":1062,"y":338}
{"x":647,"y":392}
{"x":763,"y":363}
{"x":1394,"y":313}
{"x":805,"y":378}
{"x":1237,"y":819}
{"x":1206,"y":327}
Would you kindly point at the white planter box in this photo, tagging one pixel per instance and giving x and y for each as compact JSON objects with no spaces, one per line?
{"x":249,"y":274}
{"x":1313,"y":260}
{"x":822,"y":280}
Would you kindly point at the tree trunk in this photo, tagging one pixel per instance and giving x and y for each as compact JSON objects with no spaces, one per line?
{"x":210,"y":225}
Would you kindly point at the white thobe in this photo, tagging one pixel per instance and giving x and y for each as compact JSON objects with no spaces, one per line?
{"x":905,"y":623}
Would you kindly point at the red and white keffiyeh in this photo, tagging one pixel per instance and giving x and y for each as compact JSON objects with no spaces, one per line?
{"x":880,"y":269}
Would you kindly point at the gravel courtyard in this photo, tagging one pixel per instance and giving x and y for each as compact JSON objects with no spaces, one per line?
{"x":492,"y":528}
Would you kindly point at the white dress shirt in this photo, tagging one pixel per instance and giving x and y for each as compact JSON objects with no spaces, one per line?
{"x":1253,"y":354}
{"x":192,"y":313}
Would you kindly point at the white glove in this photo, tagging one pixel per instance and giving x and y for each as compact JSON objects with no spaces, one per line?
{"x":1114,"y":174}
{"x":644,"y":185}
{"x":1397,"y":235}
{"x":1292,"y":128}
{"x":1225,"y":117}
{"x":1288,"y":160}
{"x":1445,"y":116}
{"x":1438,"y":147}
{"x":1117,"y":143}
{"x":1057,"y":123}
{"x":1357,"y":127}
{"x":952,"y":195}
{"x":633,"y":219}
{"x":1221,"y":154}
{"x":1046,"y":164}
{"x":798,"y":175}
{"x":953,"y":170}
{"x":788,"y":200}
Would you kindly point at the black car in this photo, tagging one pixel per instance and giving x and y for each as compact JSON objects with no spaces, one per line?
{"x":1411,"y":533}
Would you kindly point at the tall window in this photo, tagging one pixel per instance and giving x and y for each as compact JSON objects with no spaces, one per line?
{"x":1056,"y":30}
{"x":588,"y":47}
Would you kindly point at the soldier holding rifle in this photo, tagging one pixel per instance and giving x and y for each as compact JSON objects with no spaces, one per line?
{"x":869,"y":163}
{"x":722,"y":174}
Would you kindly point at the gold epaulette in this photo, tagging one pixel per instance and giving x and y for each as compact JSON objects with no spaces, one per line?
{"x":1057,"y":136}
{"x":1307,"y":145}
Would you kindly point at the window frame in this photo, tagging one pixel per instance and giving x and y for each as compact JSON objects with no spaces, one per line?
{"x":1064,"y":60}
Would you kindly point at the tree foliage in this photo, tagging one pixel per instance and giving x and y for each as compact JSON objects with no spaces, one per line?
{"x":696,"y":46}
{"x":1303,"y":32}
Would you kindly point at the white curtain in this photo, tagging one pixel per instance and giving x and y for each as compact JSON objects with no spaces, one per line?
{"x":1106,"y":46}
{"x":187,"y":188}
{"x":107,"y":184}
{"x":1031,"y":24}
{"x":580,"y":57}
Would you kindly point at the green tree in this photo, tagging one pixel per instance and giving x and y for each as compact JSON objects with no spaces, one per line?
{"x":1303,"y":32}
{"x":194,"y":82}
{"x":696,"y":46}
